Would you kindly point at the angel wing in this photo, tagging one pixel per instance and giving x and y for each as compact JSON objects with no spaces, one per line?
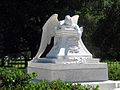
{"x":48,"y":32}
{"x":74,"y":19}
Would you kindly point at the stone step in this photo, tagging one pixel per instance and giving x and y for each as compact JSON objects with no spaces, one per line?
{"x":105,"y":85}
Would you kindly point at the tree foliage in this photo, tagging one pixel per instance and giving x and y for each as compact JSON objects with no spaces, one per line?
{"x":21,"y":24}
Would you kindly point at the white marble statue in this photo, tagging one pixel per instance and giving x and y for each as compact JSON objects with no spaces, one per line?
{"x":68,"y":45}
{"x":68,"y":59}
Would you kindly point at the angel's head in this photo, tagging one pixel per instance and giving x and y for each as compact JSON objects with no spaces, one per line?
{"x":68,"y":20}
{"x":67,"y":17}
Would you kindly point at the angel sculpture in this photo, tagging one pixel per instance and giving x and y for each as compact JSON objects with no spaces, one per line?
{"x":51,"y":26}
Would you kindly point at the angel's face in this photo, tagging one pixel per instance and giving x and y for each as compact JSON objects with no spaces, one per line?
{"x":68,"y":20}
{"x":67,"y":17}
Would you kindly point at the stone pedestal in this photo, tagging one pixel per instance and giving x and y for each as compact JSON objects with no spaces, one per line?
{"x":70,"y":72}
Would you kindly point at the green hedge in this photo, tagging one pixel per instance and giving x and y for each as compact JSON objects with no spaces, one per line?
{"x":12,"y":78}
{"x":114,"y":70}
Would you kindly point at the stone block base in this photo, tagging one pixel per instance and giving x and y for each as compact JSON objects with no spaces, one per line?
{"x":69,"y":72}
{"x":67,"y":61}
{"x":106,"y":85}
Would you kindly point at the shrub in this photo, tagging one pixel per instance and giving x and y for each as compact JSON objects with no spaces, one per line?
{"x":114,"y":71}
{"x":16,"y":79}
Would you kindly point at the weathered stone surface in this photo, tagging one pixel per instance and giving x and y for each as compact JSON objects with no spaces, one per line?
{"x":70,"y":72}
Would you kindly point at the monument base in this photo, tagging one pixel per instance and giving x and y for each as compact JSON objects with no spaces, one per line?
{"x":67,"y":61}
{"x":105,"y":85}
{"x":69,"y":72}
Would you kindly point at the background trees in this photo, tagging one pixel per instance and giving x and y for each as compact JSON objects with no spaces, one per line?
{"x":21,"y":24}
